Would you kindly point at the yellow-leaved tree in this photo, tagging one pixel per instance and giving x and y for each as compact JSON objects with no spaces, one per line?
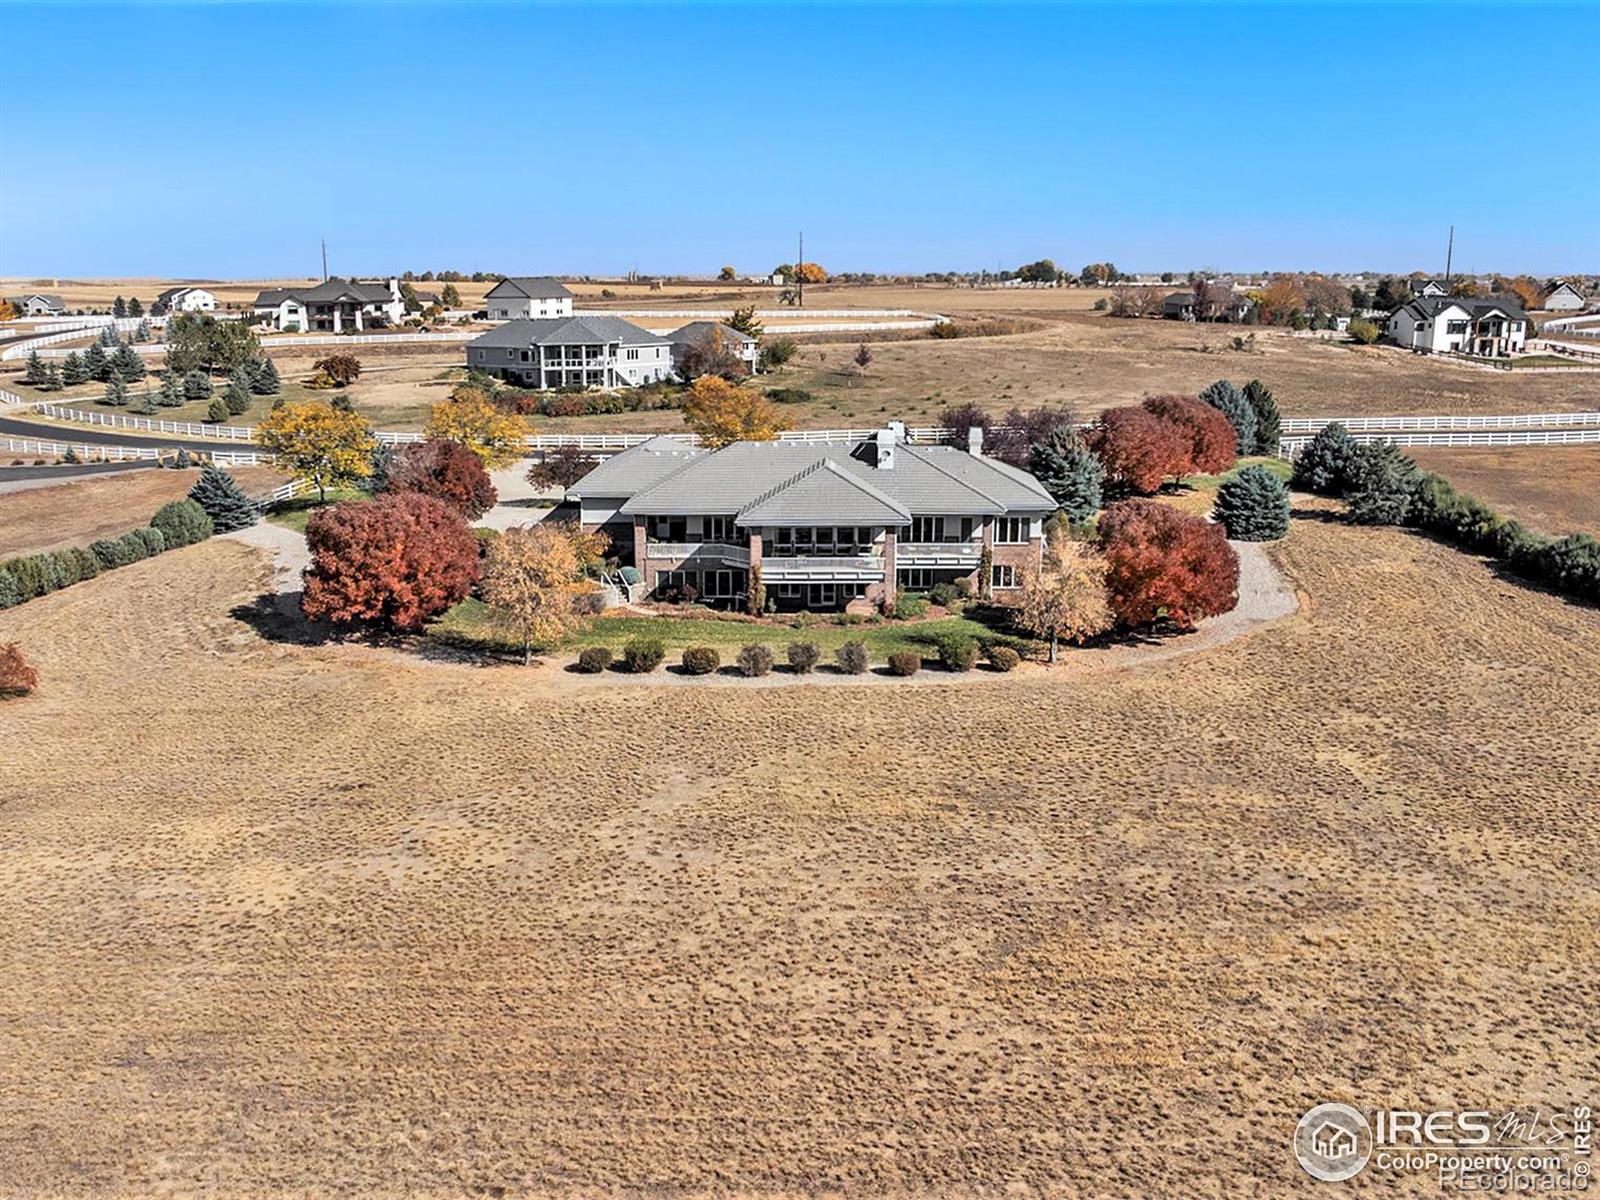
{"x":533,"y":580}
{"x":469,"y":418}
{"x":1065,"y":595}
{"x":327,"y":445}
{"x":721,"y":412}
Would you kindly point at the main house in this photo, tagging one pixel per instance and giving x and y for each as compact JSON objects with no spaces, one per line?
{"x":37,"y":304}
{"x":332,"y":306}
{"x":592,"y":351}
{"x":530,"y":298}
{"x":182,"y":300}
{"x":1495,"y":327}
{"x":825,"y":523}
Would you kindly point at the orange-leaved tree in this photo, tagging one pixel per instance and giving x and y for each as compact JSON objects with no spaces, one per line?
{"x":469,"y":418}
{"x":721,"y":412}
{"x":1137,"y":448}
{"x":1164,"y":563}
{"x":533,"y":580}
{"x":311,"y":438}
{"x":1064,"y":596}
{"x":1208,"y":436}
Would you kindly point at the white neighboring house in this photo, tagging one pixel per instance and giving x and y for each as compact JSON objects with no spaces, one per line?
{"x":594,"y":351}
{"x":1426,"y":287}
{"x":743,"y":347}
{"x":529,"y":298}
{"x":182,"y":300}
{"x":332,"y":306}
{"x":37,"y":304}
{"x":1564,"y":297}
{"x":1492,"y":328}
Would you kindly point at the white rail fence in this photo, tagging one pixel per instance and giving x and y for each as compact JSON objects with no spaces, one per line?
{"x":82,"y":450}
{"x":76,"y":332}
{"x":1290,"y":446}
{"x":237,"y":433}
{"x":1404,"y":423}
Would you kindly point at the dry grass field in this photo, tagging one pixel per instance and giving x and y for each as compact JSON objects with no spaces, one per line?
{"x":1552,"y":488}
{"x":302,"y":921}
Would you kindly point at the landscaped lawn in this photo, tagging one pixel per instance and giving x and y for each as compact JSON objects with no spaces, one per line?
{"x":470,"y":625}
{"x":294,"y":514}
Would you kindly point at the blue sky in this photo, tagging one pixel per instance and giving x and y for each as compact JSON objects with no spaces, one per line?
{"x":224,"y":139}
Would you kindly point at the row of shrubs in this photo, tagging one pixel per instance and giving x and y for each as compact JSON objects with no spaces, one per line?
{"x":955,"y":652}
{"x":179,"y":523}
{"x":1382,"y":486}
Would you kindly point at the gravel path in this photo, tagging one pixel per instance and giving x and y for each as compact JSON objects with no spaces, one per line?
{"x":289,"y":558}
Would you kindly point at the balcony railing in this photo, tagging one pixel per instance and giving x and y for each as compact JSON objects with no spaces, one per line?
{"x":725,"y":551}
{"x":822,"y":568}
{"x":934,"y":554}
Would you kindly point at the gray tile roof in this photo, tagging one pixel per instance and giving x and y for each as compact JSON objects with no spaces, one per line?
{"x":695,"y":330}
{"x":53,"y":301}
{"x":326,"y":293}
{"x":932,"y":480}
{"x":1475,"y":306}
{"x":637,"y":468}
{"x":568,"y":331}
{"x":533,"y":287}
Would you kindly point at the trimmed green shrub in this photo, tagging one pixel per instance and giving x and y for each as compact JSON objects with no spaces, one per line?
{"x":218,"y":411}
{"x":9,"y":596}
{"x":224,"y":500}
{"x":118,"y":551}
{"x":905,"y":662}
{"x":957,"y":652}
{"x":154,"y":540}
{"x":182,"y":523}
{"x":1573,"y":565}
{"x":1325,"y":463}
{"x":1230,"y":402}
{"x":945,"y":594}
{"x":78,"y":563}
{"x":1003,"y":658}
{"x":789,"y":395}
{"x":644,"y":655}
{"x":1520,"y":548}
{"x":1382,"y":481}
{"x":1269,"y":424}
{"x":755,"y":659}
{"x":852,"y":658}
{"x":802,"y":656}
{"x":701,"y":660}
{"x":36,"y":575}
{"x":1253,"y":505}
{"x":910,"y":605}
{"x":594,"y":659}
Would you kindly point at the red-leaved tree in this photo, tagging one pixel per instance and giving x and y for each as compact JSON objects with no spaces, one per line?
{"x":17,"y":678}
{"x":1209,"y":436}
{"x":1137,"y":448}
{"x":447,"y":471}
{"x":397,"y":560}
{"x":1162,"y":562}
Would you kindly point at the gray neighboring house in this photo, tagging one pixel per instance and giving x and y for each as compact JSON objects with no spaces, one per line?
{"x":528,"y":297}
{"x":38,"y":304}
{"x":743,"y":347}
{"x":1564,"y":297}
{"x":1180,"y":306}
{"x":593,"y":351}
{"x":827,"y":523}
{"x":332,"y":306}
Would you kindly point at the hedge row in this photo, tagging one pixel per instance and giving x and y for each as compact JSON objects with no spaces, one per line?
{"x":955,"y":652}
{"x":176,"y":524}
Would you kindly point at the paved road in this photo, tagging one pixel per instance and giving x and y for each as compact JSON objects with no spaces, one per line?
{"x":17,"y":479}
{"x":97,"y":435}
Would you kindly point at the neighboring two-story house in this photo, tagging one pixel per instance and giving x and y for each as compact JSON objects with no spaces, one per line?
{"x":1564,"y":297}
{"x":593,"y":351}
{"x":702,"y":333}
{"x":333,"y":306}
{"x":182,"y":300}
{"x":827,"y":523}
{"x":1496,"y":327}
{"x":523,"y":297}
{"x":1420,"y":288}
{"x":37,"y":304}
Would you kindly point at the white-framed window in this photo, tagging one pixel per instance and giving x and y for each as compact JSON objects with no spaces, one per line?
{"x":480,"y":355}
{"x":633,"y":354}
{"x":916,"y":579}
{"x":1002,"y":577}
{"x":1011,"y":531}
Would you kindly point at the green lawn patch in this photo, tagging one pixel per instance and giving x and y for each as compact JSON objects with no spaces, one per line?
{"x":293,"y":514}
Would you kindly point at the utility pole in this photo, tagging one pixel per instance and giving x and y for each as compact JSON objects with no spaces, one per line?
{"x":800,"y":271}
{"x":324,"y":260}
{"x":1449,"y":257}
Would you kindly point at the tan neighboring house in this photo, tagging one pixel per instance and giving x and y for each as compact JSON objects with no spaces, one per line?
{"x":828,"y":524}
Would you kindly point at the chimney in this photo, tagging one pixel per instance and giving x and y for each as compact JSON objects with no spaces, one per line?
{"x":975,"y":441}
{"x":886,"y":441}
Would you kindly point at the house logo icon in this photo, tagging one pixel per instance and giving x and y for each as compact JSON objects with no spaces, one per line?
{"x":1333,"y":1142}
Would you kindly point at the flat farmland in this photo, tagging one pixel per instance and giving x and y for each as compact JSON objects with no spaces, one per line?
{"x":416,"y":927}
{"x":1555,"y":489}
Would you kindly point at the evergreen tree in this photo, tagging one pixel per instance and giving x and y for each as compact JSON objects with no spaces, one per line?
{"x":1070,"y":472}
{"x":116,"y":392}
{"x":197,"y":386}
{"x":1324,"y":466}
{"x":264,"y":378}
{"x":170,"y":395}
{"x":1382,"y":483}
{"x":73,"y":370}
{"x":222,"y":498}
{"x":1230,"y":401}
{"x":127,"y":364}
{"x":1253,"y":505}
{"x":218,"y":410}
{"x":34,"y":375}
{"x":97,"y":364}
{"x":182,"y":462}
{"x":135,"y":308}
{"x":52,"y":379}
{"x":109,"y":338}
{"x":237,"y":394}
{"x":142,"y":332}
{"x":145,"y":403}
{"x":1269,"y":425}
{"x":119,"y":308}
